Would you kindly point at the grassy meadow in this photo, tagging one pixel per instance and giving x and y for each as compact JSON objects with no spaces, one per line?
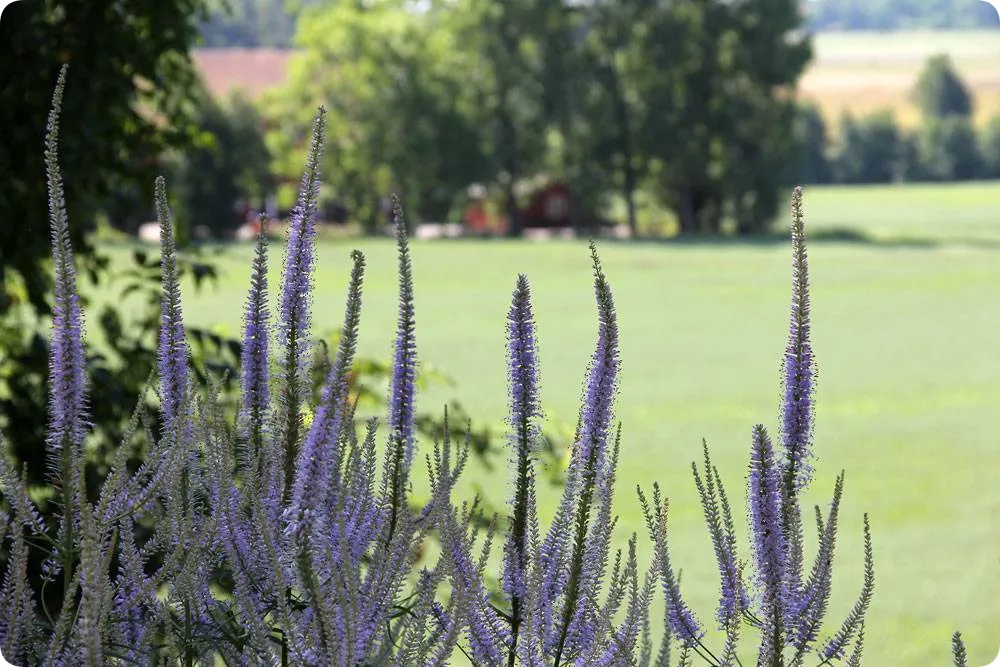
{"x":906,"y":314}
{"x":862,"y":72}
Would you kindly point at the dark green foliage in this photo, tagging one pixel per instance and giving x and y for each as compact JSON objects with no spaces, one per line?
{"x":948,"y":150}
{"x":940,"y":91}
{"x":717,"y":131}
{"x":870,"y":150}
{"x":989,"y":148}
{"x":813,"y":163}
{"x":132,"y":57}
{"x":229,"y":165}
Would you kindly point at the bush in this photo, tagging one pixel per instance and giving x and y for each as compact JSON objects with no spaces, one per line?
{"x":948,"y":150}
{"x":940,"y":91}
{"x":872,"y":150}
{"x":276,"y":540}
{"x":989,"y":148}
{"x":228,"y":168}
{"x":813,"y":163}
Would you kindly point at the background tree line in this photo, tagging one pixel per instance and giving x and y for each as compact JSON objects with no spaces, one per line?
{"x":271,"y":23}
{"x":899,"y":14}
{"x":946,"y":146}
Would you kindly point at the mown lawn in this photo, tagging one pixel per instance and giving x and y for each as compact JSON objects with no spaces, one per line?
{"x":906,"y":314}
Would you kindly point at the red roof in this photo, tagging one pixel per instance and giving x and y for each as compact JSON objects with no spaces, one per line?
{"x":254,"y":71}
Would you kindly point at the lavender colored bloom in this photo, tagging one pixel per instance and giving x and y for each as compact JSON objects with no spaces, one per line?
{"x":485,"y":630}
{"x":764,"y":499}
{"x":797,"y":409}
{"x":318,"y":463}
{"x":254,"y":361}
{"x":522,"y":357}
{"x":296,"y":290}
{"x":67,"y":383}
{"x":590,"y":473}
{"x":715,"y":506}
{"x":404,"y":375}
{"x":680,"y":620}
{"x":799,"y":366}
{"x":602,"y":378}
{"x":172,"y":350}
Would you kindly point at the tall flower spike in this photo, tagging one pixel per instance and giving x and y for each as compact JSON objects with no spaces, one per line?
{"x":764,"y":499}
{"x":733,"y":598}
{"x":404,"y":375}
{"x":254,"y":359}
{"x":958,"y":650}
{"x":588,"y":464}
{"x":856,"y":617}
{"x":173,"y":353}
{"x":296,"y":291}
{"x":318,"y":463}
{"x":522,"y":355}
{"x":602,"y":380}
{"x":679,"y":621}
{"x":799,"y":367}
{"x":797,"y":404}
{"x":67,"y":380}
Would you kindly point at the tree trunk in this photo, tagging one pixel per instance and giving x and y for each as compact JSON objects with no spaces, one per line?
{"x":627,"y":148}
{"x":687,"y":214}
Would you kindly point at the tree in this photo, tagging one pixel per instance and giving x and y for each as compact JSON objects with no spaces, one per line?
{"x":400,"y":115}
{"x":871,"y":149}
{"x":813,"y":163}
{"x":505,"y":74}
{"x":230,"y":165}
{"x":990,"y":148}
{"x":948,"y":150}
{"x":940,"y":91}
{"x":612,"y":108}
{"x":129,"y":82}
{"x":719,"y":76}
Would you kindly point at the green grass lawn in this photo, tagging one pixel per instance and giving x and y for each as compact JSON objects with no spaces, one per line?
{"x":906,"y":314}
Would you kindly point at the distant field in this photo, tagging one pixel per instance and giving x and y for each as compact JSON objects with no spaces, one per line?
{"x":867,"y":71}
{"x":906,"y":309}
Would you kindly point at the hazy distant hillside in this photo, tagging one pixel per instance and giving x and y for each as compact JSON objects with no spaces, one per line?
{"x":899,"y":14}
{"x":271,"y":23}
{"x":252,"y":23}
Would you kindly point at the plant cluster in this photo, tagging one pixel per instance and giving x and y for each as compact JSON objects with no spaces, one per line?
{"x":293,"y":543}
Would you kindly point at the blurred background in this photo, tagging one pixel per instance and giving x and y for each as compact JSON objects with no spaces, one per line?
{"x":515,"y":130}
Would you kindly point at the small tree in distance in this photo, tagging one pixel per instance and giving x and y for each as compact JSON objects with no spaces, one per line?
{"x":940,"y":91}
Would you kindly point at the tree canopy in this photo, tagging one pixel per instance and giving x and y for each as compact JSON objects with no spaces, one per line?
{"x":691,"y":101}
{"x":130,"y":80}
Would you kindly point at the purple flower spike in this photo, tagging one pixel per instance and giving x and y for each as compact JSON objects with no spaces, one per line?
{"x":602,"y":378}
{"x":173,"y":353}
{"x":67,"y":380}
{"x":296,"y":291}
{"x":799,"y":367}
{"x":525,"y":410}
{"x":764,"y":499}
{"x":404,"y":375}
{"x":254,"y":357}
{"x":319,"y":461}
{"x":522,"y":356}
